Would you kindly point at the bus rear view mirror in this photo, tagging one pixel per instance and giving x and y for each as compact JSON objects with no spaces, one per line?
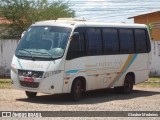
{"x":23,"y":34}
{"x":75,"y":36}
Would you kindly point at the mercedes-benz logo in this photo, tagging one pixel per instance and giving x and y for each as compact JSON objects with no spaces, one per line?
{"x":29,"y":73}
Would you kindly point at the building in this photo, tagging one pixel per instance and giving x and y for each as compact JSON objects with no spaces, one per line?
{"x":152,"y":18}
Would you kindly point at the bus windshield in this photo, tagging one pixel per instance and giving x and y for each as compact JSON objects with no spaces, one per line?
{"x":43,"y":42}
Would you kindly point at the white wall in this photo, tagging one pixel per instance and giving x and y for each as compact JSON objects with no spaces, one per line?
{"x":7,"y":49}
{"x":155,"y":63}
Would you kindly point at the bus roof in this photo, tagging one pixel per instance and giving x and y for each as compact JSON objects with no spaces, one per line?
{"x":69,"y":22}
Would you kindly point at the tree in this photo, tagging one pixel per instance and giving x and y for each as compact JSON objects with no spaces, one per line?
{"x":150,"y":27}
{"x":22,"y":13}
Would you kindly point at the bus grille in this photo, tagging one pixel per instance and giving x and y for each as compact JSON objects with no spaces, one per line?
{"x":29,"y":84}
{"x":29,"y":73}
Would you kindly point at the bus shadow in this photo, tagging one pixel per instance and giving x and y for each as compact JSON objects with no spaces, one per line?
{"x":91,"y":97}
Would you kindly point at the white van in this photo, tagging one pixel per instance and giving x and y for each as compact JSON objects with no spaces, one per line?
{"x":71,"y":56}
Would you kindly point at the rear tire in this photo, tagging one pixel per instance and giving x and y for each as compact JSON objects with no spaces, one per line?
{"x":127,"y":86}
{"x":76,"y":91}
{"x":31,"y":94}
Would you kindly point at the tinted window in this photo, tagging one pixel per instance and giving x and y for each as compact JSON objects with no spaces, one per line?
{"x":110,"y":38}
{"x":94,"y":41}
{"x":126,"y":41}
{"x":148,"y":41}
{"x":77,"y":45}
{"x":140,"y":40}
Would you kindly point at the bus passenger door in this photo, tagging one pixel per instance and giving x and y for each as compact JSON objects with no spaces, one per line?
{"x":94,"y":52}
{"x":94,"y":72}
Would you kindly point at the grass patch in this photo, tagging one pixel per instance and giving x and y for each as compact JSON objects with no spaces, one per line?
{"x":5,"y":84}
{"x":151,"y":82}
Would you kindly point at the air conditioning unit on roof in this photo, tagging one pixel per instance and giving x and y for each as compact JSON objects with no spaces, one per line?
{"x":70,"y":19}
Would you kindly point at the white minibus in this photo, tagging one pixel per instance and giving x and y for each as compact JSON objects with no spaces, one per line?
{"x":74,"y":56}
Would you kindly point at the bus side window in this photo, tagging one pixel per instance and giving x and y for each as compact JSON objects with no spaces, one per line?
{"x":94,"y":41}
{"x":77,"y":45}
{"x":126,"y":41}
{"x":140,"y":41}
{"x":111,"y":43}
{"x":148,"y":41}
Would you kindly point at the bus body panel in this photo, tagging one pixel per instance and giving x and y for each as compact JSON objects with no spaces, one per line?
{"x":107,"y":71}
{"x":55,"y":80}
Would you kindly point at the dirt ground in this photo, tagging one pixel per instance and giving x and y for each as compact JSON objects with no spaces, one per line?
{"x":141,"y":99}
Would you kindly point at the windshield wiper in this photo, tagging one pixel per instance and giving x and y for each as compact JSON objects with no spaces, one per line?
{"x":46,"y":52}
{"x":28,"y":52}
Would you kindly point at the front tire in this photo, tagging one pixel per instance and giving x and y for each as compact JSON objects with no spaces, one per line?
{"x":31,"y":94}
{"x":76,"y":91}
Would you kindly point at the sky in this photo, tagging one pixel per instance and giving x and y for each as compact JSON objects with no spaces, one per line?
{"x":112,"y":10}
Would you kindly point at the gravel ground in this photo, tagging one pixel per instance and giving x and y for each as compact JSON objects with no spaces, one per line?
{"x":141,"y":99}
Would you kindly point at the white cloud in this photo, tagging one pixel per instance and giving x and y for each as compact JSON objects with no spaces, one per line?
{"x":112,"y":10}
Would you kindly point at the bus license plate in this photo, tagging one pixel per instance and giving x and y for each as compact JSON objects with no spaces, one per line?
{"x":28,"y":79}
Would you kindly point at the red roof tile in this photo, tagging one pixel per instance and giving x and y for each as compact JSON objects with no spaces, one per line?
{"x":4,"y":21}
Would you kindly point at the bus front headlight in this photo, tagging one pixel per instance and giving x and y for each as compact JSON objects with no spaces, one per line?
{"x":50,"y":73}
{"x":14,"y":70}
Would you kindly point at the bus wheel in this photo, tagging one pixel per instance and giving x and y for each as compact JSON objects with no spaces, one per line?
{"x":31,"y":94}
{"x":127,"y":87}
{"x":128,"y":84}
{"x":76,"y":90}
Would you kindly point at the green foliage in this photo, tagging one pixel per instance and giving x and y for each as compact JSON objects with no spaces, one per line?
{"x":150,"y":26}
{"x":22,"y":13}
